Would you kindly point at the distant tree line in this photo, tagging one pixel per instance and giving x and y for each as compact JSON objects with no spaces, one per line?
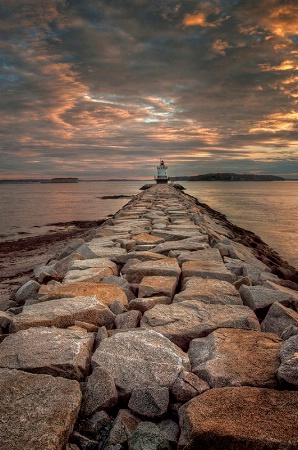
{"x":228,"y":177}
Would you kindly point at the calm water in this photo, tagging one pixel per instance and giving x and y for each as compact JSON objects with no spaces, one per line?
{"x":269,"y":209}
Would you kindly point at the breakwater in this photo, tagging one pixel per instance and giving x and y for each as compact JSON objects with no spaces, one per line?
{"x":159,"y":331}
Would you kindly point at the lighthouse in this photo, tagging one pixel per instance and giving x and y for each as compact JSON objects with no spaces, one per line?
{"x":162,"y":177}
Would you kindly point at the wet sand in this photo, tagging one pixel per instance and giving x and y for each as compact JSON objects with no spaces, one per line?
{"x":19,"y":258}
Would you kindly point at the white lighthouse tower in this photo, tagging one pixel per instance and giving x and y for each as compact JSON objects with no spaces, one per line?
{"x":162,"y":177}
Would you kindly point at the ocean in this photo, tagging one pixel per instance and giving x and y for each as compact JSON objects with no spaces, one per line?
{"x":269,"y":209}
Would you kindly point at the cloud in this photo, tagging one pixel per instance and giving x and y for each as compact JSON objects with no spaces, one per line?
{"x":100,"y":87}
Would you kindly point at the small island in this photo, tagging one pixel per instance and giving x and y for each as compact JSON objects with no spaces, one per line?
{"x":223,"y":176}
{"x":62,"y":180}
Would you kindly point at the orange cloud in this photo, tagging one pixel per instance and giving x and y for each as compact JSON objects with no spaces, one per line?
{"x":197,"y":19}
{"x":220,"y":46}
{"x":285,"y":65}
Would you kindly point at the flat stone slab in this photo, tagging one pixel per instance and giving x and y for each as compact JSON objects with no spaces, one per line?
{"x":92,"y":275}
{"x":157,"y":285}
{"x":36,"y":411}
{"x":165,"y":267}
{"x":140,"y":358}
{"x":279,"y":318}
{"x":209,"y":291}
{"x":258,"y":297}
{"x":104,"y":293}
{"x":240,"y":418}
{"x":199,"y":243}
{"x":175,"y":235}
{"x":93,"y":250}
{"x":145,"y":238}
{"x":206,"y":269}
{"x":231,"y":357}
{"x":63,"y":313}
{"x":141,"y":255}
{"x":184,"y":321}
{"x":51,"y":351}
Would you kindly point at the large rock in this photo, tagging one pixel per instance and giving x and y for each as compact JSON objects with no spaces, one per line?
{"x":165,"y":267}
{"x":146,"y":238}
{"x":140,"y":358}
{"x":27,"y":290}
{"x":240,"y":418}
{"x":157,"y":285}
{"x":191,"y":244}
{"x":91,"y":270}
{"x":123,"y":426}
{"x":51,"y":351}
{"x":209,"y":291}
{"x":142,"y":256}
{"x":94,"y":250}
{"x":184,"y":321}
{"x":104,"y":293}
{"x":63,"y":313}
{"x":279,"y":318}
{"x":148,"y":436}
{"x":36,"y":411}
{"x":100,"y":392}
{"x":288,"y":370}
{"x":231,"y":357}
{"x":150,"y":401}
{"x":206,"y":269}
{"x":258,"y":297}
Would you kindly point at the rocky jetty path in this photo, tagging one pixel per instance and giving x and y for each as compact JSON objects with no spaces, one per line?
{"x":156,"y":332}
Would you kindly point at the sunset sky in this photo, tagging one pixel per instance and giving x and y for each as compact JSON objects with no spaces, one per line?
{"x":105,"y":88}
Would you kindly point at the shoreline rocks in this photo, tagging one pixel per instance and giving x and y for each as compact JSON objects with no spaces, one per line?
{"x":159,"y":313}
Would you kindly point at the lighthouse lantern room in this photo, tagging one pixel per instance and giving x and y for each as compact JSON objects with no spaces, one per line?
{"x":162,"y":177}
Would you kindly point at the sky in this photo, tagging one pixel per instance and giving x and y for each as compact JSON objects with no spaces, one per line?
{"x":103,"y":89}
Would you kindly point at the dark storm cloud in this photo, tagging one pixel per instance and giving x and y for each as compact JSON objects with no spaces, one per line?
{"x":104,"y":88}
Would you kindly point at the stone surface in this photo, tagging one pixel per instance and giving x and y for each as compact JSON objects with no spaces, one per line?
{"x":147,"y":436}
{"x":105,"y":293}
{"x":170,"y":431}
{"x":143,"y":304}
{"x":28,"y":290}
{"x":123,"y":426}
{"x":146,"y":238}
{"x":206,"y":269}
{"x":258,"y":297}
{"x":184,"y":321}
{"x":63,"y":313}
{"x":288,"y":371}
{"x":151,"y":402}
{"x":5,"y":320}
{"x":142,"y":256}
{"x":209,"y":291}
{"x":83,"y":442}
{"x":50,"y":351}
{"x":95,"y":250}
{"x":130,"y":319}
{"x":36,"y":411}
{"x":279,"y":318}
{"x":94,"y":424}
{"x":100,"y":392}
{"x":157,"y":285}
{"x":187,"y":386}
{"x":231,"y":357}
{"x":240,"y":418}
{"x":140,"y":358}
{"x":165,"y":267}
{"x":192,"y":244}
